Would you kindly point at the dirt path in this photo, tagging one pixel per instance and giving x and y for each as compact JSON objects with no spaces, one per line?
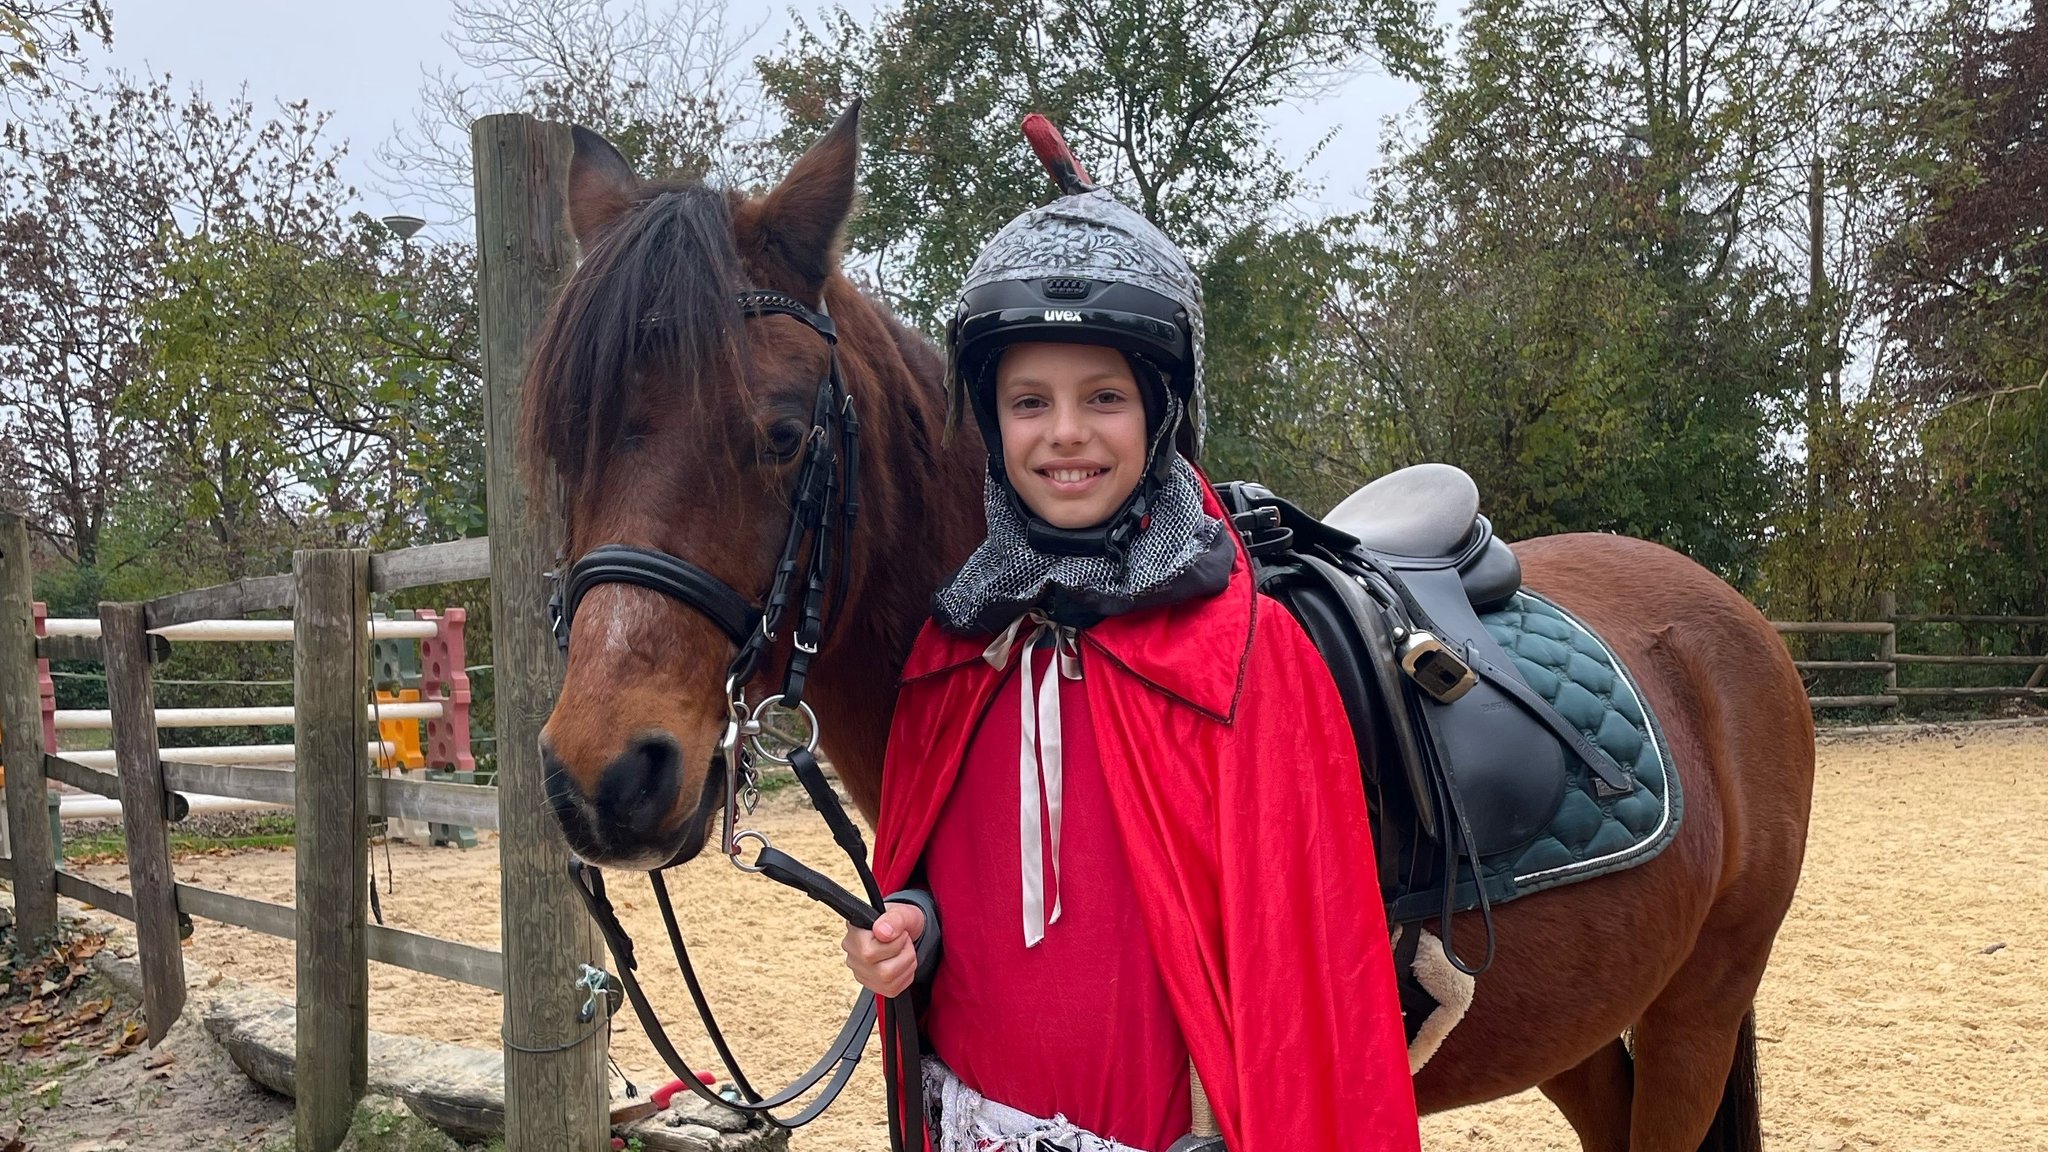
{"x":1888,"y":1019}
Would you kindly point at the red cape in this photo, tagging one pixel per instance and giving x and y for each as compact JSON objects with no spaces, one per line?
{"x":1235,"y":784}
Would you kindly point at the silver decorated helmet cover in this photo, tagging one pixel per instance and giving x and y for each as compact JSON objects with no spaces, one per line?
{"x":1096,"y":236}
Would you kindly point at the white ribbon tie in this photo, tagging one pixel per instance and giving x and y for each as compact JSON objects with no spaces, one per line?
{"x":1040,"y":758}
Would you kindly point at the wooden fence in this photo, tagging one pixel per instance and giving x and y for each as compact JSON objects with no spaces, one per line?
{"x":555,"y":1085}
{"x":1883,"y":665}
{"x":330,"y":787}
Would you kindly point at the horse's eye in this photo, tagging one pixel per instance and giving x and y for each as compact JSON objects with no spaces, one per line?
{"x":785,"y":438}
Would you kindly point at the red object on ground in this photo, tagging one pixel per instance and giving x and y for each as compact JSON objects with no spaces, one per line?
{"x":667,"y":1092}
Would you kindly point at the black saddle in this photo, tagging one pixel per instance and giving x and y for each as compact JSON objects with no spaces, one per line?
{"x":1462,"y":760}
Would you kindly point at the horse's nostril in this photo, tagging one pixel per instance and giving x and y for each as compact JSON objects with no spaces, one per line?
{"x":638,"y":790}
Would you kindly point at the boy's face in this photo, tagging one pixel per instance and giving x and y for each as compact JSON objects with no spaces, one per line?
{"x":1073,"y":430}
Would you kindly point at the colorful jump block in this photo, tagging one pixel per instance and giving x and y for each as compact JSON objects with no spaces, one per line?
{"x":443,"y":677}
{"x":402,"y":735}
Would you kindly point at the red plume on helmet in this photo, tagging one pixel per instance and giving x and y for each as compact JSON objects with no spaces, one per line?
{"x":1059,"y":161}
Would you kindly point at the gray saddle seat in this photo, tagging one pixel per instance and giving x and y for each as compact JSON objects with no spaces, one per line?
{"x":1421,"y":510}
{"x":1463,"y":760}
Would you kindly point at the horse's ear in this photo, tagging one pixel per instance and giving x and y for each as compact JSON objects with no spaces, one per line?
{"x":802,"y":217}
{"x":601,"y":185}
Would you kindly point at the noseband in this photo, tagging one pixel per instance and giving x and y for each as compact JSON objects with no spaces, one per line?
{"x":824,"y":503}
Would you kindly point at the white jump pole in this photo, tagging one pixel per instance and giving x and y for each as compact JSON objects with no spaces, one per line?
{"x":83,"y":806}
{"x":248,"y":630}
{"x":91,"y":718}
{"x":219,"y":754}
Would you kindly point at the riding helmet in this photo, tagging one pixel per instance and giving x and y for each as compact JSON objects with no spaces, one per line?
{"x":1085,"y":269}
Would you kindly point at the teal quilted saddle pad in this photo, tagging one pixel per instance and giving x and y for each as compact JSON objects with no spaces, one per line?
{"x":1590,"y":835}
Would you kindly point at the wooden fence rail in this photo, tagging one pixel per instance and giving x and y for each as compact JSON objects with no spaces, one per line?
{"x":328,"y":782}
{"x":1889,"y":659}
{"x":555,"y":1084}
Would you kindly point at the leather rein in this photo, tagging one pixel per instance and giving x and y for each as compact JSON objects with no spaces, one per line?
{"x":824,"y":504}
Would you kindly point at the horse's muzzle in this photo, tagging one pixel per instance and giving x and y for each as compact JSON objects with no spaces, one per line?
{"x":628,"y":820}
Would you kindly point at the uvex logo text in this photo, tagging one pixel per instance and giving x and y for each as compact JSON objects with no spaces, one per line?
{"x":1062,"y":314}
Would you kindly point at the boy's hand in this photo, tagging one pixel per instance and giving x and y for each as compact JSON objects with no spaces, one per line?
{"x":884,"y":959}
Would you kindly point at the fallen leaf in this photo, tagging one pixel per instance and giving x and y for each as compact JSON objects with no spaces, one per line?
{"x":159,"y":1059}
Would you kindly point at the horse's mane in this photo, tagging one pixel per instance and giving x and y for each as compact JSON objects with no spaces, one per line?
{"x":651,"y":301}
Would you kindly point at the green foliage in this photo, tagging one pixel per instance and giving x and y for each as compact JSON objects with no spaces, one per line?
{"x":324,"y":376}
{"x":1565,"y":295}
{"x":386,"y":1126}
{"x":268,"y":830}
{"x":1163,"y":103}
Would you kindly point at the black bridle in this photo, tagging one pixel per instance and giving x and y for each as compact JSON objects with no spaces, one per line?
{"x":824,"y":505}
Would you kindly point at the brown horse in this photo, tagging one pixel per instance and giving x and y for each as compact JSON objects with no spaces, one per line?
{"x":674,"y":423}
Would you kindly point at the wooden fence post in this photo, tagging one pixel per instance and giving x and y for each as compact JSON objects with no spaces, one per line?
{"x":331,"y":808}
{"x":1888,"y":645}
{"x":124,"y":644}
{"x":21,"y":744}
{"x":556,"y":1095}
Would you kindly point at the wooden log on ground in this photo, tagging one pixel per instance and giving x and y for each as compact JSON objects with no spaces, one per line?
{"x":21,"y":745}
{"x":554,"y":1065}
{"x":330,"y":675}
{"x":1853,"y":701}
{"x":152,"y":884}
{"x":457,"y":1089}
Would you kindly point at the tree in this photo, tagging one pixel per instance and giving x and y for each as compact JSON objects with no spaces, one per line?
{"x":1572,"y":289}
{"x":319,"y":380}
{"x":1966,"y":300}
{"x":37,"y":36}
{"x":663,"y":83}
{"x":84,"y":202}
{"x":1163,"y":103}
{"x":192,"y":332}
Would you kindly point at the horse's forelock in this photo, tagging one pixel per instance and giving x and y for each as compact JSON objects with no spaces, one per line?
{"x":650,"y":305}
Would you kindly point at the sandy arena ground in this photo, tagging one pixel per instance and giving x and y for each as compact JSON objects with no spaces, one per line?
{"x":1906,"y":1008}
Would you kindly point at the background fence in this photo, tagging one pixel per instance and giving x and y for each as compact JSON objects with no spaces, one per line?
{"x":1872,"y":669}
{"x":556,"y":1095}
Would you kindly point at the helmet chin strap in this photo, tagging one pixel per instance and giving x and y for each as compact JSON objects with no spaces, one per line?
{"x":1112,"y":537}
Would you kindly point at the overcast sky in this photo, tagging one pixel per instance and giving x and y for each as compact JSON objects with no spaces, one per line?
{"x":362,"y":61}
